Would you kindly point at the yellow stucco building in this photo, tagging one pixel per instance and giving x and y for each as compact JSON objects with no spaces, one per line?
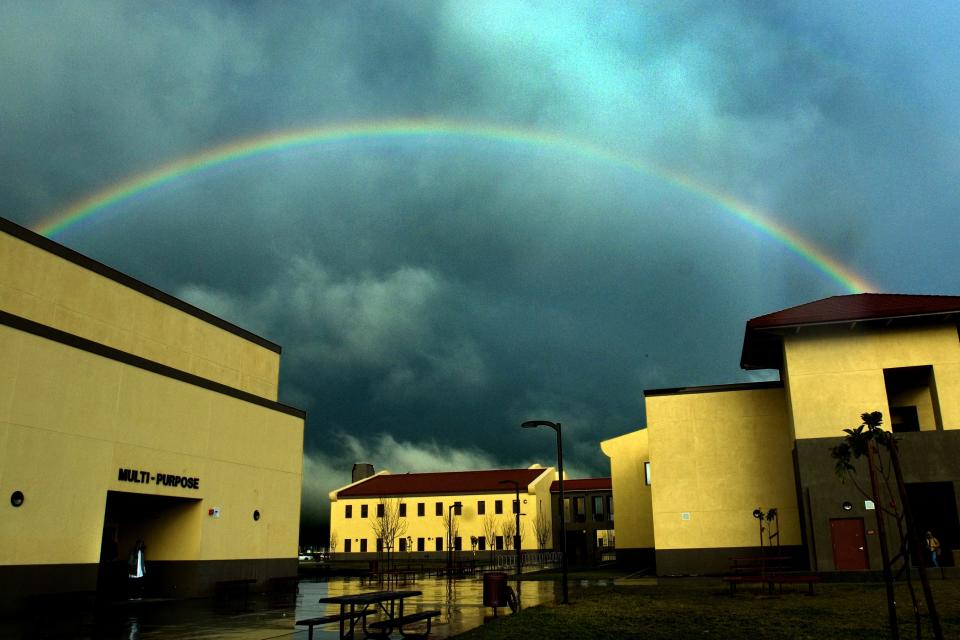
{"x":127,"y":414}
{"x":685,"y":487}
{"x":425,"y":502}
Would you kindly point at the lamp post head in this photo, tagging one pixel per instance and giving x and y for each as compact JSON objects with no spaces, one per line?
{"x":530,"y":424}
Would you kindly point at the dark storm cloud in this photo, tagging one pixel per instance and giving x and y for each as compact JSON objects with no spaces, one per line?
{"x":430,"y":294}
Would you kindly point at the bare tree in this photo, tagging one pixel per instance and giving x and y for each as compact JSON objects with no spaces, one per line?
{"x":388,"y":525}
{"x":508,"y":530}
{"x":541,"y":528}
{"x":490,"y":531}
{"x":334,"y":539}
{"x":451,"y":526}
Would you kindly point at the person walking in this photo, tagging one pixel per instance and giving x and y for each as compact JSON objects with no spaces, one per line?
{"x":933,"y":548}
{"x":137,"y":570}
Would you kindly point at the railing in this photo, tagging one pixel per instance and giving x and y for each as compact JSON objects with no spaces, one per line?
{"x":528,"y":559}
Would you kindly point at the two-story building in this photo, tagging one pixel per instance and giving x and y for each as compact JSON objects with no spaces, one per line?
{"x":430,"y":513}
{"x":687,"y":485}
{"x":587,"y":518}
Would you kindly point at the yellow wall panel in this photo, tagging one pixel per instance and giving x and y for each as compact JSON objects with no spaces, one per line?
{"x":45,"y":288}
{"x":632,"y":506}
{"x":716,"y":457}
{"x":835,"y":374}
{"x":75,"y":419}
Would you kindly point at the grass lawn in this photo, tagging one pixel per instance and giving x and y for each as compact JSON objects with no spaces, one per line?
{"x":702,"y":608}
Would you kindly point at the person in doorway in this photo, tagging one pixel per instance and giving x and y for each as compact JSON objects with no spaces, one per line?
{"x":137,"y":570}
{"x":933,"y":547}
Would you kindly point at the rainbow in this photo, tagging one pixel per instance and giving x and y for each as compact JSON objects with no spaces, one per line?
{"x":284,"y":141}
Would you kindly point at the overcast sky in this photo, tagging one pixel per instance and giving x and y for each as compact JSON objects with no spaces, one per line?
{"x":432,"y":292}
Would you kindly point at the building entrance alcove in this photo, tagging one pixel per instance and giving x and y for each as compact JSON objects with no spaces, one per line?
{"x":934,"y":506}
{"x":169,"y":528}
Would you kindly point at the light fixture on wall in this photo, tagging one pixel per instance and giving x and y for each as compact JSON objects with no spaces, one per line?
{"x":16,"y":498}
{"x":847,"y":505}
{"x":256,"y":515}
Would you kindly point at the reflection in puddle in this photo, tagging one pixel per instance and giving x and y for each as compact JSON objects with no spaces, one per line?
{"x":460,"y":601}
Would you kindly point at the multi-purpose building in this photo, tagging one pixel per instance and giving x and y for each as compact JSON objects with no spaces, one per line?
{"x":412,"y":512}
{"x":127,"y":414}
{"x":686,"y":487}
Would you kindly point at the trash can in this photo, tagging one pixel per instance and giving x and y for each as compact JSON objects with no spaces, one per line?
{"x":495,"y":589}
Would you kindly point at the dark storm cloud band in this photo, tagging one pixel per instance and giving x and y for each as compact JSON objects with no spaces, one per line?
{"x":278,"y":142}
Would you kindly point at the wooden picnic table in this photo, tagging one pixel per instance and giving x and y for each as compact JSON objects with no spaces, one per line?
{"x":356,"y":607}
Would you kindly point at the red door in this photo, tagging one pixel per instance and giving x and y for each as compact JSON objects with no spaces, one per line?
{"x":849,"y":544}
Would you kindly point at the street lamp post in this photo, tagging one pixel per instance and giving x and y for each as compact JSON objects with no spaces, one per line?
{"x":529,"y":424}
{"x":516,"y":512}
{"x":455,"y":505}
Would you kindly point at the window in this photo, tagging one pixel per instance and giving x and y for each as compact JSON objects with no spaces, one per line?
{"x":516,"y":506}
{"x":598,"y":508}
{"x":498,"y":506}
{"x":499,"y":543}
{"x":579,"y":510}
{"x":347,"y":545}
{"x":379,"y":545}
{"x":363,"y":545}
{"x":363,"y":511}
{"x":457,"y":509}
{"x":646,"y":473}
{"x":403,"y":545}
{"x":421,"y":510}
{"x":481,"y":507}
{"x":439,"y":543}
{"x":458,"y":543}
{"x":403,"y":509}
{"x":482,"y":543}
{"x":348,"y":511}
{"x":421,"y":544}
{"x":610,"y":507}
{"x":439,"y":508}
{"x":380,"y":510}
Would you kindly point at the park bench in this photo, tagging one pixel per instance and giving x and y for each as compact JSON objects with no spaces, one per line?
{"x":310,"y":623}
{"x":767,"y":570}
{"x":228,"y":592}
{"x":282,"y":590}
{"x":398,"y":623}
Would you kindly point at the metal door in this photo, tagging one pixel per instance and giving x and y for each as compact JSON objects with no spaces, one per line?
{"x":849,"y":544}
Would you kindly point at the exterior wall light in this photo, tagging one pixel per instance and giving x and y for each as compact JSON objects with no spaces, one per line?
{"x":16,"y":498}
{"x":256,"y":515}
{"x":847,"y":505}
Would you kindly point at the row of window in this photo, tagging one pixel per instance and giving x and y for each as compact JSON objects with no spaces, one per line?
{"x":422,"y":509}
{"x":574,"y":509}
{"x":406,"y":544}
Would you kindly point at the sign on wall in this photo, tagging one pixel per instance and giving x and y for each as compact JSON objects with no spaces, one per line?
{"x":160,"y":479}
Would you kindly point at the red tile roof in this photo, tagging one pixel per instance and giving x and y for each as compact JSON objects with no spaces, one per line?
{"x":432,"y":484}
{"x":583,"y":484}
{"x":762,"y":344}
{"x":861,"y":306}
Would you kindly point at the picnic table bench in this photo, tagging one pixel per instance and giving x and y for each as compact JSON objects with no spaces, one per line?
{"x":356,"y":607}
{"x":769,"y":571}
{"x":310,"y":623}
{"x":398,"y":623}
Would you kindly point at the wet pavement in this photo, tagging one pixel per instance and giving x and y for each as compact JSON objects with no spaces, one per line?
{"x":459,"y":601}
